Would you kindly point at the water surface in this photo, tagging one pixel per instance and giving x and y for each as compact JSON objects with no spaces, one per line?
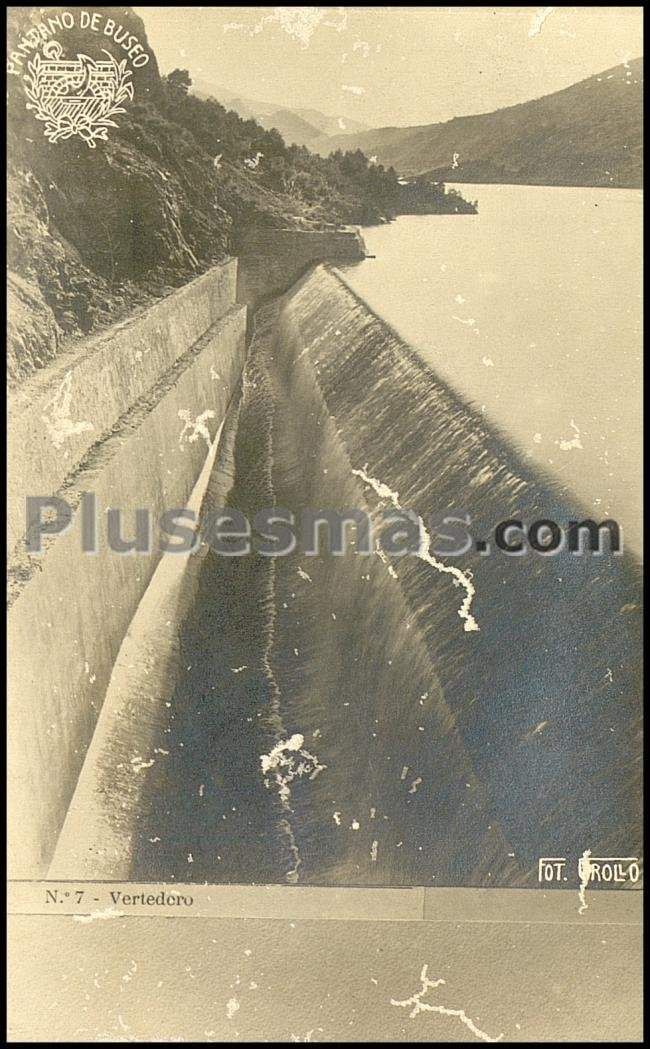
{"x":532,"y":310}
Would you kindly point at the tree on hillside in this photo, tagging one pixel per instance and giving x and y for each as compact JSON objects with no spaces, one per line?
{"x":180,"y":80}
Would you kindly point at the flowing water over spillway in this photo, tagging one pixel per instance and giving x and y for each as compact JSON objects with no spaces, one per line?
{"x":532,"y":310}
{"x":332,"y":719}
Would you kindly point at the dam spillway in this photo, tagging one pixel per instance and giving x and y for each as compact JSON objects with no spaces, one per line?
{"x":329,"y":719}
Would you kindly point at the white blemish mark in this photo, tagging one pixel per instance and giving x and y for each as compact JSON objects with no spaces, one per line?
{"x":418,"y":1006}
{"x":537,"y":438}
{"x":303,"y":352}
{"x":193,"y":430}
{"x":355,"y":825}
{"x":374,"y":159}
{"x":232,"y":1005}
{"x":459,"y":299}
{"x":405,"y":769}
{"x":58,"y":422}
{"x":190,"y":858}
{"x":373,"y":851}
{"x":609,"y":676}
{"x":298,"y":22}
{"x":336,"y":816}
{"x":139,"y":764}
{"x":363,"y":46}
{"x":536,"y":731}
{"x":353,"y":89}
{"x":584,"y":873}
{"x":487,"y":361}
{"x":468,"y":320}
{"x":217,"y":161}
{"x":238,"y":670}
{"x":253,"y":162}
{"x":460,"y":578}
{"x":342,"y":124}
{"x":574,"y":442}
{"x":109,"y":912}
{"x":285,"y":755}
{"x":414,"y":785}
{"x":384,"y":559}
{"x":303,"y":575}
{"x":455,"y":160}
{"x":201,"y":790}
{"x":538,"y":20}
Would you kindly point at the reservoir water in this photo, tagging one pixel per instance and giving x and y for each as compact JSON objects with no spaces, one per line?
{"x":531,"y":310}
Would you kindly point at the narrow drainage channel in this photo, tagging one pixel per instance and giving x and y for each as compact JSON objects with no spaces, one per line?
{"x":307,"y":738}
{"x":206,"y":813}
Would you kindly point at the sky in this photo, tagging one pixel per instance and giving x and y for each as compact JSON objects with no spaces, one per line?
{"x":393,"y":65}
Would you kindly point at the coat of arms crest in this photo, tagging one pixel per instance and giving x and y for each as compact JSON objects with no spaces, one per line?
{"x":77,"y":97}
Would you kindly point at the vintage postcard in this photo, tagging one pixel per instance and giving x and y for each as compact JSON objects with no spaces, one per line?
{"x":324,"y":526}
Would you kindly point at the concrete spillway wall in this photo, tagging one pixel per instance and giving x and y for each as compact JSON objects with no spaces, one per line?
{"x":128,"y":416}
{"x":61,"y":413}
{"x":430,"y":754}
{"x":271,"y":260}
{"x":531,"y":721}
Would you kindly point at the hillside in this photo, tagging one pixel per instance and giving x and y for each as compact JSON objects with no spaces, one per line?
{"x":302,"y":127}
{"x":588,"y":134}
{"x":171,"y":190}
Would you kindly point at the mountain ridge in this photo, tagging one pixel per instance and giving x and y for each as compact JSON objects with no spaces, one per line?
{"x":299,"y":126}
{"x":586,"y":134}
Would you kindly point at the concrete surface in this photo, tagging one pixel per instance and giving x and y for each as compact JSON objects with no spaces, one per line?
{"x":65,"y":628}
{"x":270,"y":260}
{"x":67,"y":407}
{"x":290,"y":979}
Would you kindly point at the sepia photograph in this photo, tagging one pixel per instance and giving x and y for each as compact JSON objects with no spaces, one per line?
{"x":325,"y":551}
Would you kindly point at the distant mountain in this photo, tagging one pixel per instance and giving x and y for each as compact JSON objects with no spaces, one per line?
{"x":588,"y":134}
{"x":329,"y":125}
{"x":304,"y":127}
{"x":293,"y":128}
